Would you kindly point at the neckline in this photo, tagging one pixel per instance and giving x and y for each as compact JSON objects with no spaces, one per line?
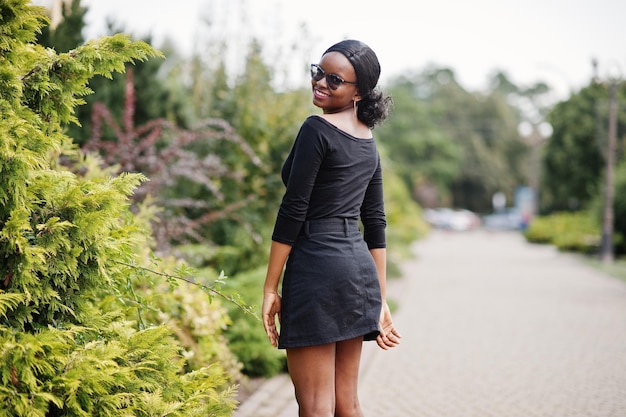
{"x":343,"y":132}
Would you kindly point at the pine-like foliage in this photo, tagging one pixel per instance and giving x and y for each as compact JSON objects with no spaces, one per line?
{"x":65,"y":243}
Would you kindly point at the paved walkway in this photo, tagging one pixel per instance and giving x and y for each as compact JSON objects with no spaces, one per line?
{"x":492,"y":326}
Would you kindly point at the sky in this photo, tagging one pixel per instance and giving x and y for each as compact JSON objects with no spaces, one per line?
{"x":553,"y":41}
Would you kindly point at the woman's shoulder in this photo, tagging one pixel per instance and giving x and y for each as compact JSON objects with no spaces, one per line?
{"x":338,"y":125}
{"x":316,"y":120}
{"x":317,"y":126}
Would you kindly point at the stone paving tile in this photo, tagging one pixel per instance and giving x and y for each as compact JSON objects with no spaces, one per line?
{"x":275,"y":398}
{"x":492,"y":326}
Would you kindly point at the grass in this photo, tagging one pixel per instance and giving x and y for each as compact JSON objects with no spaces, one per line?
{"x":616,"y":269}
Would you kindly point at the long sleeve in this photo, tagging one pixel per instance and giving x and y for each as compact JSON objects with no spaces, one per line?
{"x":302,"y":164}
{"x":373,"y":212}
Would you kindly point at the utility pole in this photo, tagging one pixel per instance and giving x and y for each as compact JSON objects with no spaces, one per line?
{"x":607,"y":221}
{"x":56,"y":11}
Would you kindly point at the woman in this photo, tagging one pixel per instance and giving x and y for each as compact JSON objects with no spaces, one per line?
{"x":333,"y":292}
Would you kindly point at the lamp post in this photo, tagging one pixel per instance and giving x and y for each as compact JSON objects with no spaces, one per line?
{"x":606,"y":252}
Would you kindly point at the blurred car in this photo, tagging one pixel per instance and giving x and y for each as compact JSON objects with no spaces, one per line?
{"x":509,"y":219}
{"x":452,"y":219}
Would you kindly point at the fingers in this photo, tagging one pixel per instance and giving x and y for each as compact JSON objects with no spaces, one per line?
{"x":269,"y":322}
{"x":271,"y":309}
{"x":394,"y":337}
{"x":389,"y":340}
{"x":272,"y":334}
{"x":389,"y":337}
{"x":381,"y":343}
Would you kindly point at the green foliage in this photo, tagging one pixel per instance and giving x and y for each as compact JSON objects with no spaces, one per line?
{"x":267,"y":121}
{"x":63,"y":243}
{"x":197,"y":177}
{"x":157,"y":95}
{"x":160,"y":93}
{"x":20,"y":24}
{"x":450,"y":146}
{"x":115,"y":371}
{"x":186,"y":304}
{"x":54,"y":226}
{"x":616,"y":269}
{"x":55,"y":83}
{"x":574,"y":232}
{"x":573,"y":160}
{"x":246,"y":336}
{"x":404,"y":218}
{"x":574,"y":168}
{"x":226,"y":257}
{"x":425,"y":157}
{"x":68,"y":33}
{"x":67,"y":346}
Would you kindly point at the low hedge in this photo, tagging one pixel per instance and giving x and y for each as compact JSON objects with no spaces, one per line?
{"x":569,"y":231}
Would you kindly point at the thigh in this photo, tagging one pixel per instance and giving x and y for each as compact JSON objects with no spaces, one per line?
{"x":312,"y":371}
{"x":347,"y":363}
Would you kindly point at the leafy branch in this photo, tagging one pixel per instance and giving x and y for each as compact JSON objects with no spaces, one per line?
{"x":187,"y":274}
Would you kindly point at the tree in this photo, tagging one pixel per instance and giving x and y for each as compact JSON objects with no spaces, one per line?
{"x":573,"y":162}
{"x":425,"y":156}
{"x":66,"y":241}
{"x":159,"y":93}
{"x":454,"y":147}
{"x":68,"y":34}
{"x":574,"y":159}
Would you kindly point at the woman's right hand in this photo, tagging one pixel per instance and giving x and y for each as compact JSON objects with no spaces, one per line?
{"x":389,"y":337}
{"x":270,"y":311}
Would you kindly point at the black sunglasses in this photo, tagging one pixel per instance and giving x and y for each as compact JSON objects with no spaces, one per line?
{"x":333,"y":80}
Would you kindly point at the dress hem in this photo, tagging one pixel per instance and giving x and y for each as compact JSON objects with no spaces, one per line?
{"x":368,"y":336}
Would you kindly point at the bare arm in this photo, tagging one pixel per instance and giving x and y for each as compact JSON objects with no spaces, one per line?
{"x":380,"y":259}
{"x":389,"y":337}
{"x":271,"y":299}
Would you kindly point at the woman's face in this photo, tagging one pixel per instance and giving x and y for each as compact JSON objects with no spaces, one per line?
{"x":335,"y":100}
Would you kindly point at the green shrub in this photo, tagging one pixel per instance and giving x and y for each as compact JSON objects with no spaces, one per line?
{"x":227,"y":258}
{"x":568,"y":231}
{"x":246,"y":336}
{"x":405,"y":223}
{"x":196,"y":319}
{"x":67,"y":344}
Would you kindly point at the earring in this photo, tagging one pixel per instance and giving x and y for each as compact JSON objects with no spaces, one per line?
{"x":354,"y":102}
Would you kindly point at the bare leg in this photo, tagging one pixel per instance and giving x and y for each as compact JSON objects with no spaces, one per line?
{"x":312,"y":370}
{"x":347,"y":361}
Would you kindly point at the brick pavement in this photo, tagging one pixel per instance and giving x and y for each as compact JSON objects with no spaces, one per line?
{"x":492,"y":326}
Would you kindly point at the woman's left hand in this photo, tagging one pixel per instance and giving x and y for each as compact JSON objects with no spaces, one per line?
{"x":271,"y":310}
{"x":389,"y":336}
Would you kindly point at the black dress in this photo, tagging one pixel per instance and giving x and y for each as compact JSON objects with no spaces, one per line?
{"x":330,"y":286}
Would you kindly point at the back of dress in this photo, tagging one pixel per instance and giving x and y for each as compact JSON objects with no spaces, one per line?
{"x":331,"y":174}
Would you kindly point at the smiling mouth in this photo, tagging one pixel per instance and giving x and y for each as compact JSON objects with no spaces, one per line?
{"x":319,"y":93}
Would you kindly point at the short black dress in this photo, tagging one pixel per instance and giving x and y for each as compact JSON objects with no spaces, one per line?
{"x":330,"y":288}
